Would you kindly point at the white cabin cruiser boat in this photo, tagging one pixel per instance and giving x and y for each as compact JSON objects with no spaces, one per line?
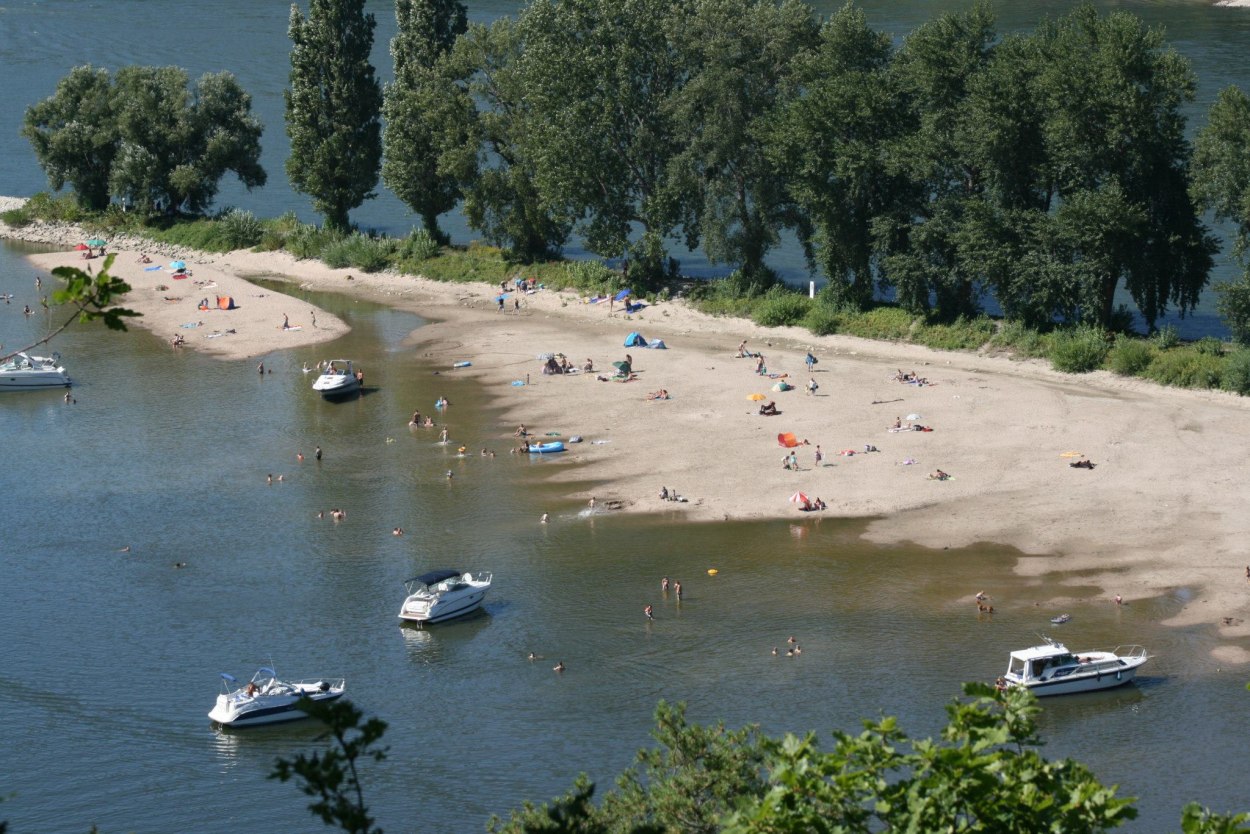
{"x":443,"y":594}
{"x":338,"y":379}
{"x":1053,"y":670}
{"x":24,"y":372}
{"x":267,"y":700}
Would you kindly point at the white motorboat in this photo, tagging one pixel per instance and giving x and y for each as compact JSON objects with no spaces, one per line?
{"x":1051,"y":669}
{"x":443,"y":594}
{"x":338,"y":379}
{"x":267,"y":700}
{"x":25,"y":372}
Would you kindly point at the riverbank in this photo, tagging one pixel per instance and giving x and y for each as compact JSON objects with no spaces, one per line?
{"x":1161,"y":509}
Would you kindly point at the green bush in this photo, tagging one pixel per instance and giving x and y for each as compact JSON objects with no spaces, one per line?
{"x":1186,"y":369}
{"x":1235,"y":376}
{"x":890,"y":323}
{"x":368,"y":254}
{"x":1079,"y":350}
{"x":962,"y":334}
{"x":306,"y":241}
{"x":1021,"y":339}
{"x":17,"y":217}
{"x":419,"y":246}
{"x":62,"y":209}
{"x":240,"y":229}
{"x":1210,"y":346}
{"x":780,"y":307}
{"x":200,"y":233}
{"x":1233,"y":304}
{"x":1130,"y":356}
{"x":277,"y":230}
{"x":592,"y":276}
{"x":1166,"y":337}
{"x":823,"y":320}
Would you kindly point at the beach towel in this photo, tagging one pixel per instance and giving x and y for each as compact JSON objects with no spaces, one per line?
{"x":190,"y":324}
{"x":461,"y":364}
{"x":153,"y":268}
{"x":518,"y":383}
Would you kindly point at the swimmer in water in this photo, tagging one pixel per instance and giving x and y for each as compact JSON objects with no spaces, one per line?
{"x":559,"y":667}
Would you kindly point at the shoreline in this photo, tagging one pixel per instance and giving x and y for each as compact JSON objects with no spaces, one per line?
{"x":1158,"y":512}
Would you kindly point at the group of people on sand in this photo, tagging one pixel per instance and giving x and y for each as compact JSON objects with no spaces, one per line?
{"x":667,"y":494}
{"x":811,"y":505}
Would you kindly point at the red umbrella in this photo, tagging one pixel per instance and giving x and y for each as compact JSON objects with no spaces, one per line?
{"x":82,"y":247}
{"x":800,"y":498}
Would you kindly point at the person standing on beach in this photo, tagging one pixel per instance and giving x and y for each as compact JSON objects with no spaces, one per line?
{"x":318,"y":453}
{"x":819,"y":455}
{"x":313,"y":314}
{"x":810,"y":360}
{"x":286,"y":322}
{"x":811,"y":387}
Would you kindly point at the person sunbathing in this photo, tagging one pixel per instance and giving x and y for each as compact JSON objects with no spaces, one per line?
{"x":769,"y":409}
{"x":1082,"y":464}
{"x":658,"y":395}
{"x":939,"y":475}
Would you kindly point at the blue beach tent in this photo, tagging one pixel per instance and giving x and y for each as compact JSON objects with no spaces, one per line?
{"x":635,"y":339}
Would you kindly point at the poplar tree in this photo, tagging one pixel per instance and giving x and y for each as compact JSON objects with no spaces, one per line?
{"x":333,"y":108}
{"x":424,"y":110}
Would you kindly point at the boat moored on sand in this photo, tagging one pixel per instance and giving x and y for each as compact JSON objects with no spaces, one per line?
{"x":1051,"y":669}
{"x":267,"y":700}
{"x":443,"y":594}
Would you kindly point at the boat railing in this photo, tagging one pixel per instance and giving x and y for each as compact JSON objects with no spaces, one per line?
{"x":1133,"y":652}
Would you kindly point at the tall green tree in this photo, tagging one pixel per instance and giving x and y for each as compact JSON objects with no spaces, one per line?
{"x":146,"y":138}
{"x":1113,"y":93}
{"x":492,"y":166}
{"x":600,"y":76}
{"x":834,"y":138}
{"x":933,"y":73}
{"x":175,"y":143}
{"x":1221,"y":183}
{"x":737,"y":57}
{"x":425,"y":114}
{"x":333,"y":107}
{"x":74,"y":136}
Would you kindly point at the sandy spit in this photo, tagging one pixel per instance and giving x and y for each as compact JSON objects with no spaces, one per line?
{"x":1164,"y":507}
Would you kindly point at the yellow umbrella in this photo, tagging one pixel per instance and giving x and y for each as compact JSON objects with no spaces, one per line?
{"x":756,"y":397}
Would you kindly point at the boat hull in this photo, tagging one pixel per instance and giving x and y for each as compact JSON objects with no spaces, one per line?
{"x":348,"y":385}
{"x":1091,"y":682}
{"x":255,"y":712}
{"x":446,"y":609}
{"x":33,"y":383}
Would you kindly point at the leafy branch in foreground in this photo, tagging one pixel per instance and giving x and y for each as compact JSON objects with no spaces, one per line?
{"x":90,"y":297}
{"x":331,"y":775}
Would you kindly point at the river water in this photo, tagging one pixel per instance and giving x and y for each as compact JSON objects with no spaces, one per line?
{"x":111,"y":659}
{"x":41,"y":40}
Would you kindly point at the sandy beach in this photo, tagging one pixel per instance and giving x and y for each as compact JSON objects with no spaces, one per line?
{"x":1159,"y":511}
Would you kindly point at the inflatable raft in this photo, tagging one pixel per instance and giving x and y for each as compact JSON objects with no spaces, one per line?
{"x":546,"y":448}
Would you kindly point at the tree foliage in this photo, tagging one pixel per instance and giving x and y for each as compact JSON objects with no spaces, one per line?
{"x":333,"y":107}
{"x":425,"y":112}
{"x":331,"y":776}
{"x":145,"y":138}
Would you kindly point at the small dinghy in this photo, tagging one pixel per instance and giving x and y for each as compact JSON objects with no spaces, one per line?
{"x":1061,"y":619}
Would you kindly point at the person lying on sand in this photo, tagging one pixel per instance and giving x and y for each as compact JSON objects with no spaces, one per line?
{"x":1082,"y":464}
{"x":769,"y":409}
{"x":662,"y":394}
{"x":939,"y":475}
